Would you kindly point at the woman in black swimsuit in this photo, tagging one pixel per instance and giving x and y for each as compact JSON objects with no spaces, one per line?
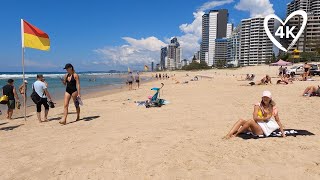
{"x":72,"y":83}
{"x":306,"y":73}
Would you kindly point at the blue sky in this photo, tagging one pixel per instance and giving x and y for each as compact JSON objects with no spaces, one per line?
{"x":103,"y":35}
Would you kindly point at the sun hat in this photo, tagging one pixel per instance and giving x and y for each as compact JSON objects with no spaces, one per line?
{"x":267,"y":94}
{"x":25,"y":81}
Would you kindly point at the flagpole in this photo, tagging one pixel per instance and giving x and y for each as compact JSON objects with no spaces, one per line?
{"x":23,"y":73}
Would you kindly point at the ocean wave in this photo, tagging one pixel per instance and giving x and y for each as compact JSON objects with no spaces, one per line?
{"x":27,"y":76}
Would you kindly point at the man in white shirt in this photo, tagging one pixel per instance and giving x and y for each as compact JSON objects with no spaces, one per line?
{"x":41,"y":89}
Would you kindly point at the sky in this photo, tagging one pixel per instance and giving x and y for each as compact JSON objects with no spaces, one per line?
{"x":102,"y":35}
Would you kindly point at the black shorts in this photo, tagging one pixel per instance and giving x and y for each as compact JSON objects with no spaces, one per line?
{"x":137,"y":81}
{"x":43,"y":102}
{"x":130,"y":82}
{"x":11,"y":104}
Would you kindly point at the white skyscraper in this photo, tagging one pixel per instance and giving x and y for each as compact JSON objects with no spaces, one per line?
{"x":174,"y":55}
{"x":213,"y":26}
{"x":229,"y":30}
{"x":255,"y":46}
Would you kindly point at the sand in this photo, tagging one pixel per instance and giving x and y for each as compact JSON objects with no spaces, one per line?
{"x":182,"y":140}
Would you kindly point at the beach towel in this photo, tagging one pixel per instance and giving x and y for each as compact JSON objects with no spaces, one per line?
{"x":277,"y":133}
{"x":140,"y":103}
{"x":143,"y":103}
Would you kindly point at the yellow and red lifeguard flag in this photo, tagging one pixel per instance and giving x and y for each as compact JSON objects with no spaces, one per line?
{"x":33,"y":37}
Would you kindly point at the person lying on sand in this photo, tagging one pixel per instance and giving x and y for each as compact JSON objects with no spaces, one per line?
{"x":285,"y":80}
{"x":248,"y":77}
{"x":311,"y":91}
{"x":265,"y":119}
{"x":264,"y":81}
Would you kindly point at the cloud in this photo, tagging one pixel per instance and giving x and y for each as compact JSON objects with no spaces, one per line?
{"x":213,"y":4}
{"x":134,"y":53}
{"x":257,"y":8}
{"x":137,"y":52}
{"x":150,"y":43}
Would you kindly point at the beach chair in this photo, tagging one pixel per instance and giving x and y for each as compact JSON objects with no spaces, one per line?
{"x":155,"y":101}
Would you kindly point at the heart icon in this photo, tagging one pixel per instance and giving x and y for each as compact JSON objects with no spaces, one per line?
{"x":275,"y":42}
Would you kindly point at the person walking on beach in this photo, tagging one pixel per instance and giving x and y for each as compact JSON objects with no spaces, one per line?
{"x":280,"y":71}
{"x":23,"y":90}
{"x":72,"y":82}
{"x":306,"y":73}
{"x":137,"y":78}
{"x":10,"y":91}
{"x":157,"y":76}
{"x":130,"y":80}
{"x":42,"y":90}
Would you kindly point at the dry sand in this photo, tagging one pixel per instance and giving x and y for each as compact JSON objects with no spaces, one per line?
{"x":182,"y":140}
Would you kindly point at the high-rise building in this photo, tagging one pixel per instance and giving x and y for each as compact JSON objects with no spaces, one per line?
{"x":214,"y":26}
{"x":312,"y":7}
{"x":163,"y":57}
{"x":310,"y":38}
{"x":174,"y":55}
{"x":221,"y":49}
{"x":198,"y":55}
{"x":255,"y":46}
{"x":233,"y":52}
{"x":152,"y":66}
{"x":229,"y":30}
{"x":205,"y":38}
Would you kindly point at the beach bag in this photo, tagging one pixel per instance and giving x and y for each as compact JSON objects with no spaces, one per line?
{"x":4,"y":99}
{"x":34,"y":96}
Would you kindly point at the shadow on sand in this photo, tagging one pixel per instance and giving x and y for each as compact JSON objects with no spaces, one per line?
{"x":10,"y":128}
{"x":3,"y":123}
{"x":22,"y":117}
{"x":89,"y":118}
{"x":55,"y":119}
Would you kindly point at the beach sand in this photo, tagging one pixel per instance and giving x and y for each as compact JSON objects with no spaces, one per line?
{"x":183,"y":140}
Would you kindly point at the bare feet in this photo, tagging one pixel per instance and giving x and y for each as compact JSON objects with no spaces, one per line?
{"x":45,"y":120}
{"x":63,"y":123}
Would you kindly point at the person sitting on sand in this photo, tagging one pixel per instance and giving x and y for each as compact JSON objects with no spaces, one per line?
{"x":265,"y":81}
{"x":311,"y":91}
{"x":265,"y":113}
{"x":285,"y":80}
{"x":247,"y":77}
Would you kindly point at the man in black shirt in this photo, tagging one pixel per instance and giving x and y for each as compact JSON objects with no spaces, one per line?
{"x":10,"y":91}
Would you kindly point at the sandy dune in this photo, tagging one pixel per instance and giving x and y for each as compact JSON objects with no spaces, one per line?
{"x":183,"y":140}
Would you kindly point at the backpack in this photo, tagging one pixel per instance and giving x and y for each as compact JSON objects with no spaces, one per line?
{"x":35,"y":96}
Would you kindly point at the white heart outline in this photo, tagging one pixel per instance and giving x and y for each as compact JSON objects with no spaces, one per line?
{"x":275,"y":42}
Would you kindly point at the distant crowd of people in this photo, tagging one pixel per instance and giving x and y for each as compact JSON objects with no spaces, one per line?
{"x":162,"y":76}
